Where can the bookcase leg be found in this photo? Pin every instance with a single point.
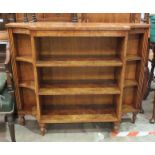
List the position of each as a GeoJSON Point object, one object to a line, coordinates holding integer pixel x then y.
{"type": "Point", "coordinates": [42, 129]}
{"type": "Point", "coordinates": [21, 120]}
{"type": "Point", "coordinates": [141, 110]}
{"type": "Point", "coordinates": [152, 120]}
{"type": "Point", "coordinates": [116, 126]}
{"type": "Point", "coordinates": [134, 116]}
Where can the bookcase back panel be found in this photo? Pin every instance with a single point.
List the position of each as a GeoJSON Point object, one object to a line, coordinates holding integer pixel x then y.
{"type": "Point", "coordinates": [23, 45]}
{"type": "Point", "coordinates": [77, 110]}
{"type": "Point", "coordinates": [25, 72]}
{"type": "Point", "coordinates": [28, 102]}
{"type": "Point", "coordinates": [134, 44]}
{"type": "Point", "coordinates": [77, 46]}
{"type": "Point", "coordinates": [58, 17]}
{"type": "Point", "coordinates": [132, 70]}
{"type": "Point", "coordinates": [129, 95]}
{"type": "Point", "coordinates": [77, 76]}
{"type": "Point", "coordinates": [77, 99]}
{"type": "Point", "coordinates": [84, 17]}
{"type": "Point", "coordinates": [107, 17]}
{"type": "Point", "coordinates": [77, 104]}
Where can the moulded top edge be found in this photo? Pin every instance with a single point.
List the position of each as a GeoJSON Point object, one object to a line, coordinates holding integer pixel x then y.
{"type": "Point", "coordinates": [76, 26]}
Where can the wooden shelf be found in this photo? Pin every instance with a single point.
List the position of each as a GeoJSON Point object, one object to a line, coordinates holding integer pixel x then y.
{"type": "Point", "coordinates": [130, 83]}
{"type": "Point", "coordinates": [80, 63]}
{"type": "Point", "coordinates": [29, 85]}
{"type": "Point", "coordinates": [133, 58]}
{"type": "Point", "coordinates": [128, 109]}
{"type": "Point", "coordinates": [78, 118]}
{"type": "Point", "coordinates": [79, 91]}
{"type": "Point", "coordinates": [73, 113]}
{"type": "Point", "coordinates": [24, 59]}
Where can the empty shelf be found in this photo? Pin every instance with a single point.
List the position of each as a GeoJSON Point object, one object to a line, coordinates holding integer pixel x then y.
{"type": "Point", "coordinates": [130, 83]}
{"type": "Point", "coordinates": [80, 63]}
{"type": "Point", "coordinates": [133, 58]}
{"type": "Point", "coordinates": [79, 118]}
{"type": "Point", "coordinates": [79, 91]}
{"type": "Point", "coordinates": [29, 85]}
{"type": "Point", "coordinates": [24, 59]}
{"type": "Point", "coordinates": [128, 109]}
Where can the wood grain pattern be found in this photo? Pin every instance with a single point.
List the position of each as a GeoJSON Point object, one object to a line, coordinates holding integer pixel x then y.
{"type": "Point", "coordinates": [84, 63]}
{"type": "Point", "coordinates": [76, 26]}
{"type": "Point", "coordinates": [3, 35]}
{"type": "Point", "coordinates": [130, 83]}
{"type": "Point", "coordinates": [78, 119]}
{"type": "Point", "coordinates": [84, 17]}
{"type": "Point", "coordinates": [78, 91]}
{"type": "Point", "coordinates": [24, 59]}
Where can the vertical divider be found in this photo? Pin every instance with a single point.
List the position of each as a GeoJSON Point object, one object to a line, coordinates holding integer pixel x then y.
{"type": "Point", "coordinates": [121, 80]}
{"type": "Point", "coordinates": [14, 69]}
{"type": "Point", "coordinates": [34, 57]}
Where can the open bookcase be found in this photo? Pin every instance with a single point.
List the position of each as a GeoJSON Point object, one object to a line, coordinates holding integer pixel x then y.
{"type": "Point", "coordinates": [73, 72]}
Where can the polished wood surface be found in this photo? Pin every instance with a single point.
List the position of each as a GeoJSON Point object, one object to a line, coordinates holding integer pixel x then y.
{"type": "Point", "coordinates": [3, 36]}
{"type": "Point", "coordinates": [83, 17]}
{"type": "Point", "coordinates": [78, 72]}
{"type": "Point", "coordinates": [76, 26]}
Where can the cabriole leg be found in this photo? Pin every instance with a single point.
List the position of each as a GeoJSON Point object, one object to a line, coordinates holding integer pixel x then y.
{"type": "Point", "coordinates": [42, 129]}
{"type": "Point", "coordinates": [152, 120]}
{"type": "Point", "coordinates": [134, 116]}
{"type": "Point", "coordinates": [116, 126]}
{"type": "Point", "coordinates": [21, 120]}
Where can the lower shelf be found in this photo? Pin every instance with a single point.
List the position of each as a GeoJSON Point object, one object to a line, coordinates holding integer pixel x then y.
{"type": "Point", "coordinates": [79, 114]}
{"type": "Point", "coordinates": [80, 62]}
{"type": "Point", "coordinates": [79, 118]}
{"type": "Point", "coordinates": [128, 109]}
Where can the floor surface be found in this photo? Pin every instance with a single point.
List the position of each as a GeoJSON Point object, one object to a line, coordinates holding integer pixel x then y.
{"type": "Point", "coordinates": [87, 132]}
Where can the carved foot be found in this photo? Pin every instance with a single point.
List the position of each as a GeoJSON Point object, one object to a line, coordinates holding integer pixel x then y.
{"type": "Point", "coordinates": [116, 126]}
{"type": "Point", "coordinates": [42, 129]}
{"type": "Point", "coordinates": [134, 116]}
{"type": "Point", "coordinates": [21, 120]}
{"type": "Point", "coordinates": [152, 120]}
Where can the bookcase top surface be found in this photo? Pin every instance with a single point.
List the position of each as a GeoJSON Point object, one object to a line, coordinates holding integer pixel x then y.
{"type": "Point", "coordinates": [76, 26]}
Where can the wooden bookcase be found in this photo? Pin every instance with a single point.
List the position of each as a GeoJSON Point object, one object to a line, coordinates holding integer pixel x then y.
{"type": "Point", "coordinates": [78, 72]}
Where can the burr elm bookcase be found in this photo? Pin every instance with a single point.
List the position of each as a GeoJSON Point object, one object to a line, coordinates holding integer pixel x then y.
{"type": "Point", "coordinates": [78, 72]}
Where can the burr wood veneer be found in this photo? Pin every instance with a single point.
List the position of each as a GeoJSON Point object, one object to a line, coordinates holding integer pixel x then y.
{"type": "Point", "coordinates": [83, 17]}
{"type": "Point", "coordinates": [78, 72]}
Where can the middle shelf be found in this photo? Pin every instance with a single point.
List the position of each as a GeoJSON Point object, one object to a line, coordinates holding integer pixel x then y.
{"type": "Point", "coordinates": [80, 62]}
{"type": "Point", "coordinates": [79, 91]}
{"type": "Point", "coordinates": [30, 85]}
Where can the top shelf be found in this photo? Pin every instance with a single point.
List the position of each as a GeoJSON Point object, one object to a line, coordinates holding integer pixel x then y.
{"type": "Point", "coordinates": [67, 62]}
{"type": "Point", "coordinates": [76, 26]}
